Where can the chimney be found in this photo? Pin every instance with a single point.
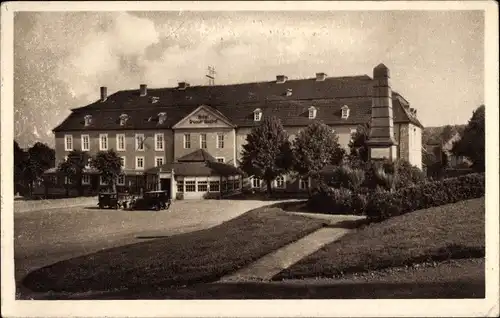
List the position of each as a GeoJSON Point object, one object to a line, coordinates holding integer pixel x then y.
{"type": "Point", "coordinates": [143, 88]}
{"type": "Point", "coordinates": [183, 85]}
{"type": "Point", "coordinates": [280, 79]}
{"type": "Point", "coordinates": [320, 76]}
{"type": "Point", "coordinates": [381, 138]}
{"type": "Point", "coordinates": [104, 93]}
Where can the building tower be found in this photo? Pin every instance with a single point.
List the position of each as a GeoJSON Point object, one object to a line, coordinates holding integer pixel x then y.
{"type": "Point", "coordinates": [381, 141]}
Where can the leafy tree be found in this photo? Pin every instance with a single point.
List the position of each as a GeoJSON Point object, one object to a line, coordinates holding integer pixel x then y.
{"type": "Point", "coordinates": [73, 168]}
{"type": "Point", "coordinates": [358, 149]}
{"type": "Point", "coordinates": [30, 165]}
{"type": "Point", "coordinates": [472, 141]}
{"type": "Point", "coordinates": [108, 163]}
{"type": "Point", "coordinates": [19, 160]}
{"type": "Point", "coordinates": [267, 153]}
{"type": "Point", "coordinates": [314, 148]}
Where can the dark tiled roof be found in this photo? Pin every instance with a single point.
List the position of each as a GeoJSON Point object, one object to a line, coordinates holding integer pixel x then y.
{"type": "Point", "coordinates": [237, 103]}
{"type": "Point", "coordinates": [200, 155]}
{"type": "Point", "coordinates": [198, 169]}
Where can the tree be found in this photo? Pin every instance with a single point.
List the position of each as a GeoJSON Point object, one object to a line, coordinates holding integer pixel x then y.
{"type": "Point", "coordinates": [30, 165]}
{"type": "Point", "coordinates": [19, 160]}
{"type": "Point", "coordinates": [314, 148]}
{"type": "Point", "coordinates": [73, 168]}
{"type": "Point", "coordinates": [109, 164]}
{"type": "Point", "coordinates": [358, 149]}
{"type": "Point", "coordinates": [472, 141]}
{"type": "Point", "coordinates": [267, 153]}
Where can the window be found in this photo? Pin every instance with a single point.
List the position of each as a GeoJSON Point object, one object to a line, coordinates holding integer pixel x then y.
{"type": "Point", "coordinates": [85, 142]}
{"type": "Point", "coordinates": [257, 114]}
{"type": "Point", "coordinates": [120, 142]}
{"type": "Point", "coordinates": [236, 184]}
{"type": "Point", "coordinates": [255, 182]}
{"type": "Point", "coordinates": [220, 159]}
{"type": "Point", "coordinates": [304, 184]}
{"type": "Point", "coordinates": [67, 180]}
{"type": "Point", "coordinates": [224, 185]}
{"type": "Point", "coordinates": [85, 179]}
{"type": "Point", "coordinates": [203, 141]}
{"type": "Point", "coordinates": [345, 112]}
{"type": "Point", "coordinates": [121, 180]}
{"type": "Point", "coordinates": [139, 162]}
{"type": "Point", "coordinates": [187, 141]}
{"type": "Point", "coordinates": [139, 142]}
{"type": "Point", "coordinates": [220, 141]}
{"type": "Point", "coordinates": [214, 186]}
{"type": "Point", "coordinates": [312, 112]}
{"type": "Point", "coordinates": [123, 162]}
{"type": "Point", "coordinates": [123, 119]}
{"type": "Point", "coordinates": [180, 186]}
{"type": "Point", "coordinates": [191, 186]}
{"type": "Point", "coordinates": [88, 120]}
{"type": "Point", "coordinates": [161, 118]}
{"type": "Point", "coordinates": [102, 181]}
{"type": "Point", "coordinates": [202, 186]}
{"type": "Point", "coordinates": [159, 142]}
{"type": "Point", "coordinates": [103, 142]}
{"type": "Point", "coordinates": [230, 185]}
{"type": "Point", "coordinates": [280, 182]}
{"type": "Point", "coordinates": [159, 161]}
{"type": "Point", "coordinates": [68, 142]}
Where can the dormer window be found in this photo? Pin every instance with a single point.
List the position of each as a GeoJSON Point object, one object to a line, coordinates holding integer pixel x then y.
{"type": "Point", "coordinates": [280, 79]}
{"type": "Point", "coordinates": [155, 99]}
{"type": "Point", "coordinates": [289, 92]}
{"type": "Point", "coordinates": [345, 112]}
{"type": "Point", "coordinates": [123, 119]}
{"type": "Point", "coordinates": [162, 117]}
{"type": "Point", "coordinates": [88, 120]}
{"type": "Point", "coordinates": [182, 86]}
{"type": "Point", "coordinates": [257, 114]}
{"type": "Point", "coordinates": [312, 112]}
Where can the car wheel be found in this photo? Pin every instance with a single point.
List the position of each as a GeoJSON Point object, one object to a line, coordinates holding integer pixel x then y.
{"type": "Point", "coordinates": [101, 206]}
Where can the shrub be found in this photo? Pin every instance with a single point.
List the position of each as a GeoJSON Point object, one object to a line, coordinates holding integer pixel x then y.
{"type": "Point", "coordinates": [381, 206]}
{"type": "Point", "coordinates": [347, 177]}
{"type": "Point", "coordinates": [337, 201]}
{"type": "Point", "coordinates": [408, 175]}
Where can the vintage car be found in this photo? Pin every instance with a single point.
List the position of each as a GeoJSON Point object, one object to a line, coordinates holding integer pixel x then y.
{"type": "Point", "coordinates": [108, 200]}
{"type": "Point", "coordinates": [154, 200]}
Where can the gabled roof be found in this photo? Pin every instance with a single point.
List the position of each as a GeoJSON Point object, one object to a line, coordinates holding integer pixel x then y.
{"type": "Point", "coordinates": [236, 103]}
{"type": "Point", "coordinates": [198, 169]}
{"type": "Point", "coordinates": [199, 155]}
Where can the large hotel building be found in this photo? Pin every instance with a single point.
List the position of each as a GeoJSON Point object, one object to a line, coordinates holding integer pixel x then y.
{"type": "Point", "coordinates": [188, 139]}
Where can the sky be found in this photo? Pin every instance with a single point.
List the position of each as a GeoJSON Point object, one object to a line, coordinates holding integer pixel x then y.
{"type": "Point", "coordinates": [436, 58]}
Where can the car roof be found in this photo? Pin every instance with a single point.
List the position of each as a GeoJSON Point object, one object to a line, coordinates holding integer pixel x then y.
{"type": "Point", "coordinates": [156, 191]}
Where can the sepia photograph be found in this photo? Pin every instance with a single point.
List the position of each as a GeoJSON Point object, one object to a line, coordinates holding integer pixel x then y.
{"type": "Point", "coordinates": [250, 152]}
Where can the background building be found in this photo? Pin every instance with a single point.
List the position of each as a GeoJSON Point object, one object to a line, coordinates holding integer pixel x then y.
{"type": "Point", "coordinates": [156, 127]}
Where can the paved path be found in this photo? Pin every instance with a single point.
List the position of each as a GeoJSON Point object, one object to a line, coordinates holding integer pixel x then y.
{"type": "Point", "coordinates": [273, 263]}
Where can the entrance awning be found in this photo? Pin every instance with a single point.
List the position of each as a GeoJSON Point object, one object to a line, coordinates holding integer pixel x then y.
{"type": "Point", "coordinates": [198, 163]}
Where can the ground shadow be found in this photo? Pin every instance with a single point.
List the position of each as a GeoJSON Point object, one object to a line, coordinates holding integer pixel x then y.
{"type": "Point", "coordinates": [256, 290]}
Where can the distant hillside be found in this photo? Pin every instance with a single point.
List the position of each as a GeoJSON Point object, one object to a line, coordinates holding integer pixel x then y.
{"type": "Point", "coordinates": [441, 134]}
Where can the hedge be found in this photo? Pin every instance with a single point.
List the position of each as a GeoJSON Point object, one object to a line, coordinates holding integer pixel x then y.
{"type": "Point", "coordinates": [337, 201]}
{"type": "Point", "coordinates": [384, 205]}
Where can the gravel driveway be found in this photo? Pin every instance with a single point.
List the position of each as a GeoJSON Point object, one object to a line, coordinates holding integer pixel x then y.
{"type": "Point", "coordinates": [51, 235]}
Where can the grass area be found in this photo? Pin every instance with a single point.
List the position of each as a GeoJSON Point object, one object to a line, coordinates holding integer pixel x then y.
{"type": "Point", "coordinates": [195, 257]}
{"type": "Point", "coordinates": [450, 231]}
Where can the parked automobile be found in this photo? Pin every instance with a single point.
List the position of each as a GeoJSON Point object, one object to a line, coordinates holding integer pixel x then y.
{"type": "Point", "coordinates": [152, 200]}
{"type": "Point", "coordinates": [108, 200]}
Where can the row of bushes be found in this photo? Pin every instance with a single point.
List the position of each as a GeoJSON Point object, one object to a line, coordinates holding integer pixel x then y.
{"type": "Point", "coordinates": [430, 194]}
{"type": "Point", "coordinates": [379, 204]}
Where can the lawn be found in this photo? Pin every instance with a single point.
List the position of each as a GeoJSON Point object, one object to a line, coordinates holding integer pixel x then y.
{"type": "Point", "coordinates": [452, 231]}
{"type": "Point", "coordinates": [195, 257]}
